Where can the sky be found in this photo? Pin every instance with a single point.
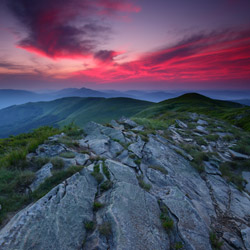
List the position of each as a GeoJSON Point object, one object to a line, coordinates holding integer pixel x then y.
{"type": "Point", "coordinates": [125, 44]}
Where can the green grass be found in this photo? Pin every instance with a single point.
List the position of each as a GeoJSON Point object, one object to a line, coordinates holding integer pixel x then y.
{"type": "Point", "coordinates": [215, 242]}
{"type": "Point", "coordinates": [167, 111]}
{"type": "Point", "coordinates": [57, 163]}
{"type": "Point", "coordinates": [212, 137]}
{"type": "Point", "coordinates": [97, 205]}
{"type": "Point", "coordinates": [159, 168]}
{"type": "Point", "coordinates": [96, 173]}
{"type": "Point", "coordinates": [143, 184]}
{"type": "Point", "coordinates": [53, 181]}
{"type": "Point", "coordinates": [167, 222]}
{"type": "Point", "coordinates": [69, 155]}
{"type": "Point", "coordinates": [106, 171]}
{"type": "Point", "coordinates": [16, 173]}
{"type": "Point", "coordinates": [71, 110]}
{"type": "Point", "coordinates": [231, 171]}
{"type": "Point", "coordinates": [89, 226]}
{"type": "Point", "coordinates": [106, 185]}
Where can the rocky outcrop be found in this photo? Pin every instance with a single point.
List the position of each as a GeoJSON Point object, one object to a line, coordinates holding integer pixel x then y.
{"type": "Point", "coordinates": [56, 221]}
{"type": "Point", "coordinates": [148, 197]}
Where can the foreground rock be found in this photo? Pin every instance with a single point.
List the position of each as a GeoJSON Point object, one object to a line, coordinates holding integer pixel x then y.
{"type": "Point", "coordinates": [148, 197]}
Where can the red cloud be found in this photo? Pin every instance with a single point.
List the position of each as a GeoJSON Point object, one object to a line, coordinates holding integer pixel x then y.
{"type": "Point", "coordinates": [54, 28]}
{"type": "Point", "coordinates": [215, 56]}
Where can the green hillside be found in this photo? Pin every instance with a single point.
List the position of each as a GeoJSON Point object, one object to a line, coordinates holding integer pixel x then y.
{"type": "Point", "coordinates": [236, 114]}
{"type": "Point", "coordinates": [23, 118]}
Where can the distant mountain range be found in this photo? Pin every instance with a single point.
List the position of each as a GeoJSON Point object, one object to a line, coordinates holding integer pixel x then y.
{"type": "Point", "coordinates": [10, 97]}
{"type": "Point", "coordinates": [22, 118]}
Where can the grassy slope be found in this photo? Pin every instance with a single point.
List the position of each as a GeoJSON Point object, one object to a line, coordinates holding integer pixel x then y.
{"type": "Point", "coordinates": [234, 113]}
{"type": "Point", "coordinates": [23, 118]}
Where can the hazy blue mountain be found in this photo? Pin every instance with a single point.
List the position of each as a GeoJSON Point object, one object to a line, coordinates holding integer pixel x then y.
{"type": "Point", "coordinates": [10, 97]}
{"type": "Point", "coordinates": [243, 101]}
{"type": "Point", "coordinates": [23, 118]}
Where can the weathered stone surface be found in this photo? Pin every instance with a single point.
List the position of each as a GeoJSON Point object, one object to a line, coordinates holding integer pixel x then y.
{"type": "Point", "coordinates": [121, 173]}
{"type": "Point", "coordinates": [246, 177]}
{"type": "Point", "coordinates": [138, 128]}
{"type": "Point", "coordinates": [201, 129]}
{"type": "Point", "coordinates": [137, 147]}
{"type": "Point", "coordinates": [238, 156]}
{"type": "Point", "coordinates": [246, 237]}
{"type": "Point", "coordinates": [181, 124]}
{"type": "Point", "coordinates": [56, 221]}
{"type": "Point", "coordinates": [116, 125]}
{"type": "Point", "coordinates": [202, 122]}
{"type": "Point", "coordinates": [81, 159]}
{"type": "Point", "coordinates": [197, 203]}
{"type": "Point", "coordinates": [125, 159]}
{"type": "Point", "coordinates": [134, 215]}
{"type": "Point", "coordinates": [210, 169]}
{"type": "Point", "coordinates": [47, 150]}
{"type": "Point", "coordinates": [128, 122]}
{"type": "Point", "coordinates": [41, 175]}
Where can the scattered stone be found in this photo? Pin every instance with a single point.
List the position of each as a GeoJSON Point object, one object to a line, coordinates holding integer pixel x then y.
{"type": "Point", "coordinates": [238, 156]}
{"type": "Point", "coordinates": [202, 122]}
{"type": "Point", "coordinates": [128, 122]}
{"type": "Point", "coordinates": [188, 140]}
{"type": "Point", "coordinates": [181, 124]}
{"type": "Point", "coordinates": [138, 128]}
{"type": "Point", "coordinates": [201, 129]}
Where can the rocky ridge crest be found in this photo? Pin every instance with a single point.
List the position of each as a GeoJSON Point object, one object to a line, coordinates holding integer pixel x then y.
{"type": "Point", "coordinates": [133, 192]}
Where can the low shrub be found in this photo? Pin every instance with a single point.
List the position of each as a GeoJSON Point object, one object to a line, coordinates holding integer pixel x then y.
{"type": "Point", "coordinates": [166, 221]}
{"type": "Point", "coordinates": [106, 185]}
{"type": "Point", "coordinates": [106, 171]}
{"type": "Point", "coordinates": [178, 246]}
{"type": "Point", "coordinates": [57, 163]}
{"type": "Point", "coordinates": [215, 242]}
{"type": "Point", "coordinates": [96, 173]}
{"type": "Point", "coordinates": [97, 205]}
{"type": "Point", "coordinates": [89, 225]}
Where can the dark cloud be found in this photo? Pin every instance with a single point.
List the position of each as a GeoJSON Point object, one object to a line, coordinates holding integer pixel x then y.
{"type": "Point", "coordinates": [64, 28]}
{"type": "Point", "coordinates": [105, 55]}
{"type": "Point", "coordinates": [12, 66]}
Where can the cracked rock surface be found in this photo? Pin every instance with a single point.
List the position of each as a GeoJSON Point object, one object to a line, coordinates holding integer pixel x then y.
{"type": "Point", "coordinates": [149, 197]}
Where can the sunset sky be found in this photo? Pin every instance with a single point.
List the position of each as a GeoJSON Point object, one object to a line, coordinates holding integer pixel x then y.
{"type": "Point", "coordinates": [121, 44]}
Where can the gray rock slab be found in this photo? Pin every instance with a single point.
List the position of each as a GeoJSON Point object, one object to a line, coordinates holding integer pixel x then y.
{"type": "Point", "coordinates": [41, 175]}
{"type": "Point", "coordinates": [134, 215]}
{"type": "Point", "coordinates": [56, 221]}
